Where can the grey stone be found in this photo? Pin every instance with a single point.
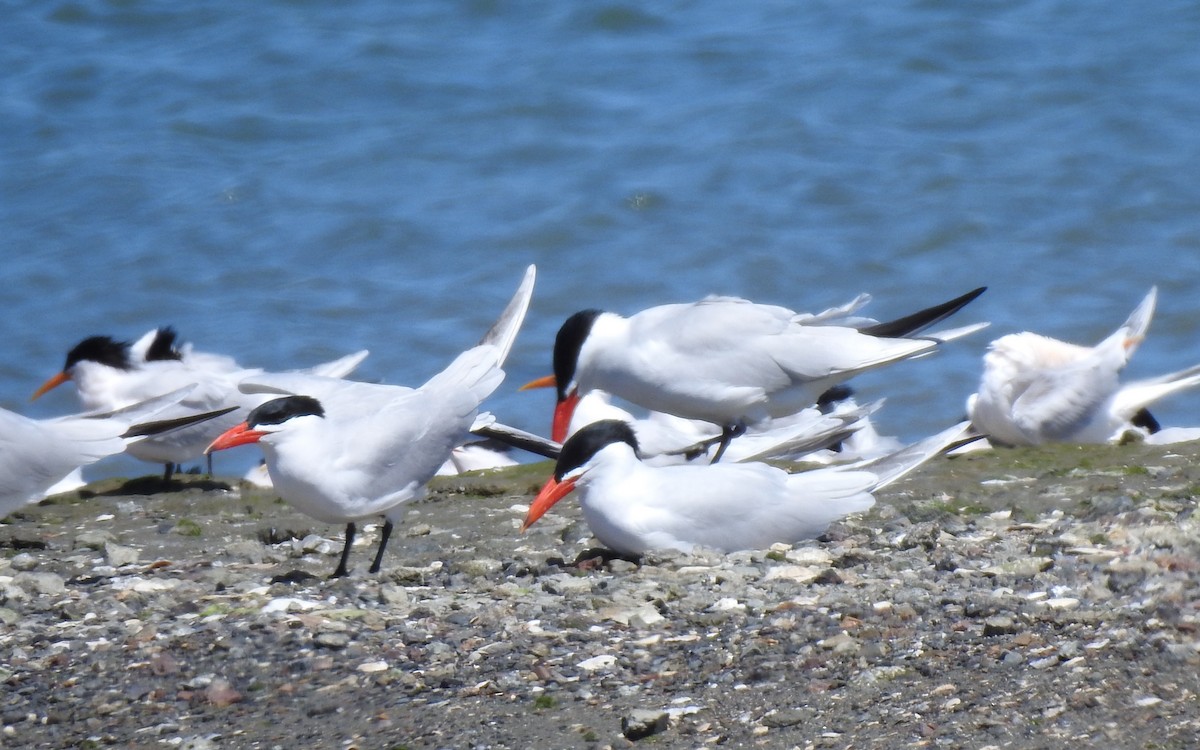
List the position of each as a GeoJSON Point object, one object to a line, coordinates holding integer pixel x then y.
{"type": "Point", "coordinates": [94, 539]}
{"type": "Point", "coordinates": [640, 724]}
{"type": "Point", "coordinates": [45, 584]}
{"type": "Point", "coordinates": [118, 554]}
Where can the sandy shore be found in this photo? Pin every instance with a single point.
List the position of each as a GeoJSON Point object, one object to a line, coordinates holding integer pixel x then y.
{"type": "Point", "coordinates": [1011, 599]}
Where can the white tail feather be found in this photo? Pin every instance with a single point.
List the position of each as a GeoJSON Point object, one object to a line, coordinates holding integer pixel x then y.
{"type": "Point", "coordinates": [503, 332]}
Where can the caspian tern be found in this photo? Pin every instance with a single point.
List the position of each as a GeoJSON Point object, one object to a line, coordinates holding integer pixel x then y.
{"type": "Point", "coordinates": [475, 456]}
{"type": "Point", "coordinates": [342, 451]}
{"type": "Point", "coordinates": [665, 439]}
{"type": "Point", "coordinates": [1036, 389]}
{"type": "Point", "coordinates": [161, 344]}
{"type": "Point", "coordinates": [109, 374]}
{"type": "Point", "coordinates": [35, 454]}
{"type": "Point", "coordinates": [726, 360]}
{"type": "Point", "coordinates": [632, 507]}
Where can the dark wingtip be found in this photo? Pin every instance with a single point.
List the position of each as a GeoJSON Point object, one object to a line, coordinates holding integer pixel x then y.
{"type": "Point", "coordinates": [922, 319]}
{"type": "Point", "coordinates": [165, 425]}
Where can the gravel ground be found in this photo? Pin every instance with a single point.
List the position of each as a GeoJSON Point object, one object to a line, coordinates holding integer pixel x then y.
{"type": "Point", "coordinates": [1012, 599]}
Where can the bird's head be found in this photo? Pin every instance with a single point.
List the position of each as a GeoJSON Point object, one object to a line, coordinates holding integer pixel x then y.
{"type": "Point", "coordinates": [266, 419]}
{"type": "Point", "coordinates": [101, 350]}
{"type": "Point", "coordinates": [567, 345]}
{"type": "Point", "coordinates": [575, 461]}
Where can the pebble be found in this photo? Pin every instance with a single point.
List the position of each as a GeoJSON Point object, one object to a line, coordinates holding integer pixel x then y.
{"type": "Point", "coordinates": [247, 550]}
{"type": "Point", "coordinates": [289, 604]}
{"type": "Point", "coordinates": [316, 543]}
{"type": "Point", "coordinates": [393, 595]}
{"type": "Point", "coordinates": [94, 539]}
{"type": "Point", "coordinates": [794, 573]}
{"type": "Point", "coordinates": [906, 626]}
{"type": "Point", "coordinates": [999, 625]}
{"type": "Point", "coordinates": [1061, 602]}
{"type": "Point", "coordinates": [785, 718]}
{"type": "Point", "coordinates": [603, 661]}
{"type": "Point", "coordinates": [841, 644]}
{"type": "Point", "coordinates": [41, 583]}
{"type": "Point", "coordinates": [480, 567]}
{"type": "Point", "coordinates": [1020, 569]}
{"type": "Point", "coordinates": [332, 640]}
{"type": "Point", "coordinates": [119, 555]}
{"type": "Point", "coordinates": [640, 724]}
{"type": "Point", "coordinates": [23, 561]}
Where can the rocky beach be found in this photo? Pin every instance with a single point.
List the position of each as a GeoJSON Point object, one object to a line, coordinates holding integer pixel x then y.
{"type": "Point", "coordinates": [1032, 598]}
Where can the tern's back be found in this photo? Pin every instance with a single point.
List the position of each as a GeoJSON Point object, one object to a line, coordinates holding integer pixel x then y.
{"type": "Point", "coordinates": [377, 445]}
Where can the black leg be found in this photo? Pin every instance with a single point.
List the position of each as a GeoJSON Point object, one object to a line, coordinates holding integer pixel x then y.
{"type": "Point", "coordinates": [696, 450]}
{"type": "Point", "coordinates": [168, 472]}
{"type": "Point", "coordinates": [383, 540]}
{"type": "Point", "coordinates": [209, 457]}
{"type": "Point", "coordinates": [728, 433]}
{"type": "Point", "coordinates": [341, 571]}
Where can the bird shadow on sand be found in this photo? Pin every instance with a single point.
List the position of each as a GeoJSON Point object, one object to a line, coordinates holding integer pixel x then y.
{"type": "Point", "coordinates": [593, 558]}
{"type": "Point", "coordinates": [296, 577]}
{"type": "Point", "coordinates": [153, 485]}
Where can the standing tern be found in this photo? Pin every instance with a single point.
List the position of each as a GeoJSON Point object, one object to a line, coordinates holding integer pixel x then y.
{"type": "Point", "coordinates": [633, 507]}
{"type": "Point", "coordinates": [35, 454]}
{"type": "Point", "coordinates": [109, 374]}
{"type": "Point", "coordinates": [1036, 389]}
{"type": "Point", "coordinates": [343, 451]}
{"type": "Point", "coordinates": [726, 360]}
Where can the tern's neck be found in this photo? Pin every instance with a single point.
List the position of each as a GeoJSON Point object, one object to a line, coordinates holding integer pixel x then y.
{"type": "Point", "coordinates": [603, 353]}
{"type": "Point", "coordinates": [616, 462]}
{"type": "Point", "coordinates": [100, 386]}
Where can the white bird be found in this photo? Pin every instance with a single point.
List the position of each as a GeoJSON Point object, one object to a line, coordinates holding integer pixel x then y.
{"type": "Point", "coordinates": [161, 344]}
{"type": "Point", "coordinates": [864, 444]}
{"type": "Point", "coordinates": [665, 439]}
{"type": "Point", "coordinates": [343, 451]}
{"type": "Point", "coordinates": [109, 374]}
{"type": "Point", "coordinates": [632, 507]}
{"type": "Point", "coordinates": [473, 456]}
{"type": "Point", "coordinates": [728, 361]}
{"type": "Point", "coordinates": [35, 454]}
{"type": "Point", "coordinates": [476, 456]}
{"type": "Point", "coordinates": [1036, 389]}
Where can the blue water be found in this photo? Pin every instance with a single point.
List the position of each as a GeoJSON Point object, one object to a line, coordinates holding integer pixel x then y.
{"type": "Point", "coordinates": [289, 181]}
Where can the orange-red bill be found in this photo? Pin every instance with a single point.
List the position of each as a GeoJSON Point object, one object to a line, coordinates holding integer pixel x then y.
{"type": "Point", "coordinates": [563, 411]}
{"type": "Point", "coordinates": [50, 384]}
{"type": "Point", "coordinates": [239, 434]}
{"type": "Point", "coordinates": [552, 491]}
{"type": "Point", "coordinates": [546, 382]}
